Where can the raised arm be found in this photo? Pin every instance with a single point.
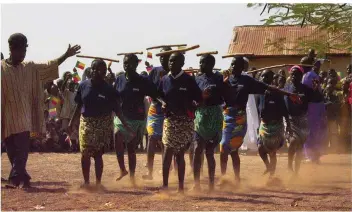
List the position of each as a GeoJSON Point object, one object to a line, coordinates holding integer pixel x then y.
{"type": "Point", "coordinates": [71, 51]}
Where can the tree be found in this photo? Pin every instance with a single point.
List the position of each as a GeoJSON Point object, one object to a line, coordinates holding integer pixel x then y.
{"type": "Point", "coordinates": [333, 24]}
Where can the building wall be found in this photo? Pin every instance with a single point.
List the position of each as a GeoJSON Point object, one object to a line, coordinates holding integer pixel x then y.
{"type": "Point", "coordinates": [339, 63]}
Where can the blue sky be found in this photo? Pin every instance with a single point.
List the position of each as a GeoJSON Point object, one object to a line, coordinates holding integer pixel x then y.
{"type": "Point", "coordinates": [107, 29]}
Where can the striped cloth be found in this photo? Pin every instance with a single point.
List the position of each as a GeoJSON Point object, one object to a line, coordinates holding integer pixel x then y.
{"type": "Point", "coordinates": [22, 92]}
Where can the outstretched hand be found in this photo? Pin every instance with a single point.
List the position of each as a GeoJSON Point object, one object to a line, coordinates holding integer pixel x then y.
{"type": "Point", "coordinates": [72, 51]}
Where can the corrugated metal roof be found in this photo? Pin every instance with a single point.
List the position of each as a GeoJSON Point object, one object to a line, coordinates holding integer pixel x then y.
{"type": "Point", "coordinates": [256, 40]}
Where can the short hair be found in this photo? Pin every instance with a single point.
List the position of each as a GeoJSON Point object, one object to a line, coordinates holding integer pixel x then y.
{"type": "Point", "coordinates": [179, 54]}
{"type": "Point", "coordinates": [270, 72]}
{"type": "Point", "coordinates": [17, 40]}
{"type": "Point", "coordinates": [209, 57]}
{"type": "Point", "coordinates": [132, 56]}
{"type": "Point", "coordinates": [96, 63]}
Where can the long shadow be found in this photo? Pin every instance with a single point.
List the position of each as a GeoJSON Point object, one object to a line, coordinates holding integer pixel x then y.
{"type": "Point", "coordinates": [297, 193]}
{"type": "Point", "coordinates": [138, 193]}
{"type": "Point", "coordinates": [223, 199]}
{"type": "Point", "coordinates": [40, 190]}
{"type": "Point", "coordinates": [336, 164]}
{"type": "Point", "coordinates": [45, 183]}
{"type": "Point", "coordinates": [149, 188]}
{"type": "Point", "coordinates": [263, 196]}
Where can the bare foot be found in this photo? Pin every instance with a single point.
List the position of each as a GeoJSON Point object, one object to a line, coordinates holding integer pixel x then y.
{"type": "Point", "coordinates": [290, 169]}
{"type": "Point", "coordinates": [147, 177]}
{"type": "Point", "coordinates": [84, 186]}
{"type": "Point", "coordinates": [163, 189]}
{"type": "Point", "coordinates": [180, 191]}
{"type": "Point", "coordinates": [133, 182]}
{"type": "Point", "coordinates": [100, 187]}
{"type": "Point", "coordinates": [196, 189]}
{"type": "Point", "coordinates": [123, 173]}
{"type": "Point", "coordinates": [266, 171]}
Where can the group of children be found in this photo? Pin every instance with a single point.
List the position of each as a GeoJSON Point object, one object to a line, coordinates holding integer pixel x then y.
{"type": "Point", "coordinates": [282, 114]}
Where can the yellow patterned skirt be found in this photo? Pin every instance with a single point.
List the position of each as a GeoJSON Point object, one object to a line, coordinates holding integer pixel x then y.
{"type": "Point", "coordinates": [95, 134]}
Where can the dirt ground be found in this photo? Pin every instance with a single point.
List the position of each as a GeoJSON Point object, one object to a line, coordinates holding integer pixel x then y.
{"type": "Point", "coordinates": [56, 179]}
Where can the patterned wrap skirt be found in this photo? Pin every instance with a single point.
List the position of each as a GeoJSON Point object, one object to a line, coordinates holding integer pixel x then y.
{"type": "Point", "coordinates": [137, 126]}
{"type": "Point", "coordinates": [155, 121]}
{"type": "Point", "coordinates": [234, 129]}
{"type": "Point", "coordinates": [95, 134]}
{"type": "Point", "coordinates": [300, 128]}
{"type": "Point", "coordinates": [178, 132]}
{"type": "Point", "coordinates": [208, 124]}
{"type": "Point", "coordinates": [271, 135]}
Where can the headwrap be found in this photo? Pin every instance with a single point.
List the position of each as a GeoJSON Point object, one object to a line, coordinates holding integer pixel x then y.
{"type": "Point", "coordinates": [297, 67]}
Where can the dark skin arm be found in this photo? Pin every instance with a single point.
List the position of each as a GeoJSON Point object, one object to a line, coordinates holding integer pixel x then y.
{"type": "Point", "coordinates": [71, 51]}
{"type": "Point", "coordinates": [293, 97]}
{"type": "Point", "coordinates": [74, 122]}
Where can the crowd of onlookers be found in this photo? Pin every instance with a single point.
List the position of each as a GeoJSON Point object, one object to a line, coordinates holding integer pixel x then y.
{"type": "Point", "coordinates": [59, 107]}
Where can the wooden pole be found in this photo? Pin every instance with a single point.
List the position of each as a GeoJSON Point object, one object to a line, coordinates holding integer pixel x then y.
{"type": "Point", "coordinates": [102, 58]}
{"type": "Point", "coordinates": [177, 50]}
{"type": "Point", "coordinates": [204, 53]}
{"type": "Point", "coordinates": [278, 66]}
{"type": "Point", "coordinates": [129, 53]}
{"type": "Point", "coordinates": [158, 47]}
{"type": "Point", "coordinates": [238, 54]}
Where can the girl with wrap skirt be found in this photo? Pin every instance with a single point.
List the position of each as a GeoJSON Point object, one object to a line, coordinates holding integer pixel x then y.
{"type": "Point", "coordinates": [298, 115]}
{"type": "Point", "coordinates": [208, 119]}
{"type": "Point", "coordinates": [237, 89]}
{"type": "Point", "coordinates": [132, 89]}
{"type": "Point", "coordinates": [155, 120]}
{"type": "Point", "coordinates": [178, 91]}
{"type": "Point", "coordinates": [272, 110]}
{"type": "Point", "coordinates": [96, 100]}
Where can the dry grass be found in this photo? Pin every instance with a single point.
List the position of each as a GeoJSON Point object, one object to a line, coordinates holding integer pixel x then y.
{"type": "Point", "coordinates": [56, 178]}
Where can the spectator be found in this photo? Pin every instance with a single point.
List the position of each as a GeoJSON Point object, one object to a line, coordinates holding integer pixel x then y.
{"type": "Point", "coordinates": [333, 101]}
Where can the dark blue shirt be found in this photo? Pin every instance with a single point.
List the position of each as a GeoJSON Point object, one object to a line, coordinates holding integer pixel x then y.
{"type": "Point", "coordinates": [307, 95]}
{"type": "Point", "coordinates": [216, 84]}
{"type": "Point", "coordinates": [155, 76]}
{"type": "Point", "coordinates": [179, 93]}
{"type": "Point", "coordinates": [238, 88]}
{"type": "Point", "coordinates": [272, 107]}
{"type": "Point", "coordinates": [97, 100]}
{"type": "Point", "coordinates": [132, 94]}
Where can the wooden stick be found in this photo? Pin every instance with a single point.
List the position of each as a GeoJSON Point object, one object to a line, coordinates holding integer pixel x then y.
{"type": "Point", "coordinates": [102, 58]}
{"type": "Point", "coordinates": [177, 50]}
{"type": "Point", "coordinates": [191, 70]}
{"type": "Point", "coordinates": [204, 53]}
{"type": "Point", "coordinates": [158, 47]}
{"type": "Point", "coordinates": [238, 54]}
{"type": "Point", "coordinates": [197, 69]}
{"type": "Point", "coordinates": [129, 53]}
{"type": "Point", "coordinates": [278, 66]}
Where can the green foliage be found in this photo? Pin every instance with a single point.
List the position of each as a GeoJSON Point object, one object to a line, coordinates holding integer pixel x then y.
{"type": "Point", "coordinates": [335, 20]}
